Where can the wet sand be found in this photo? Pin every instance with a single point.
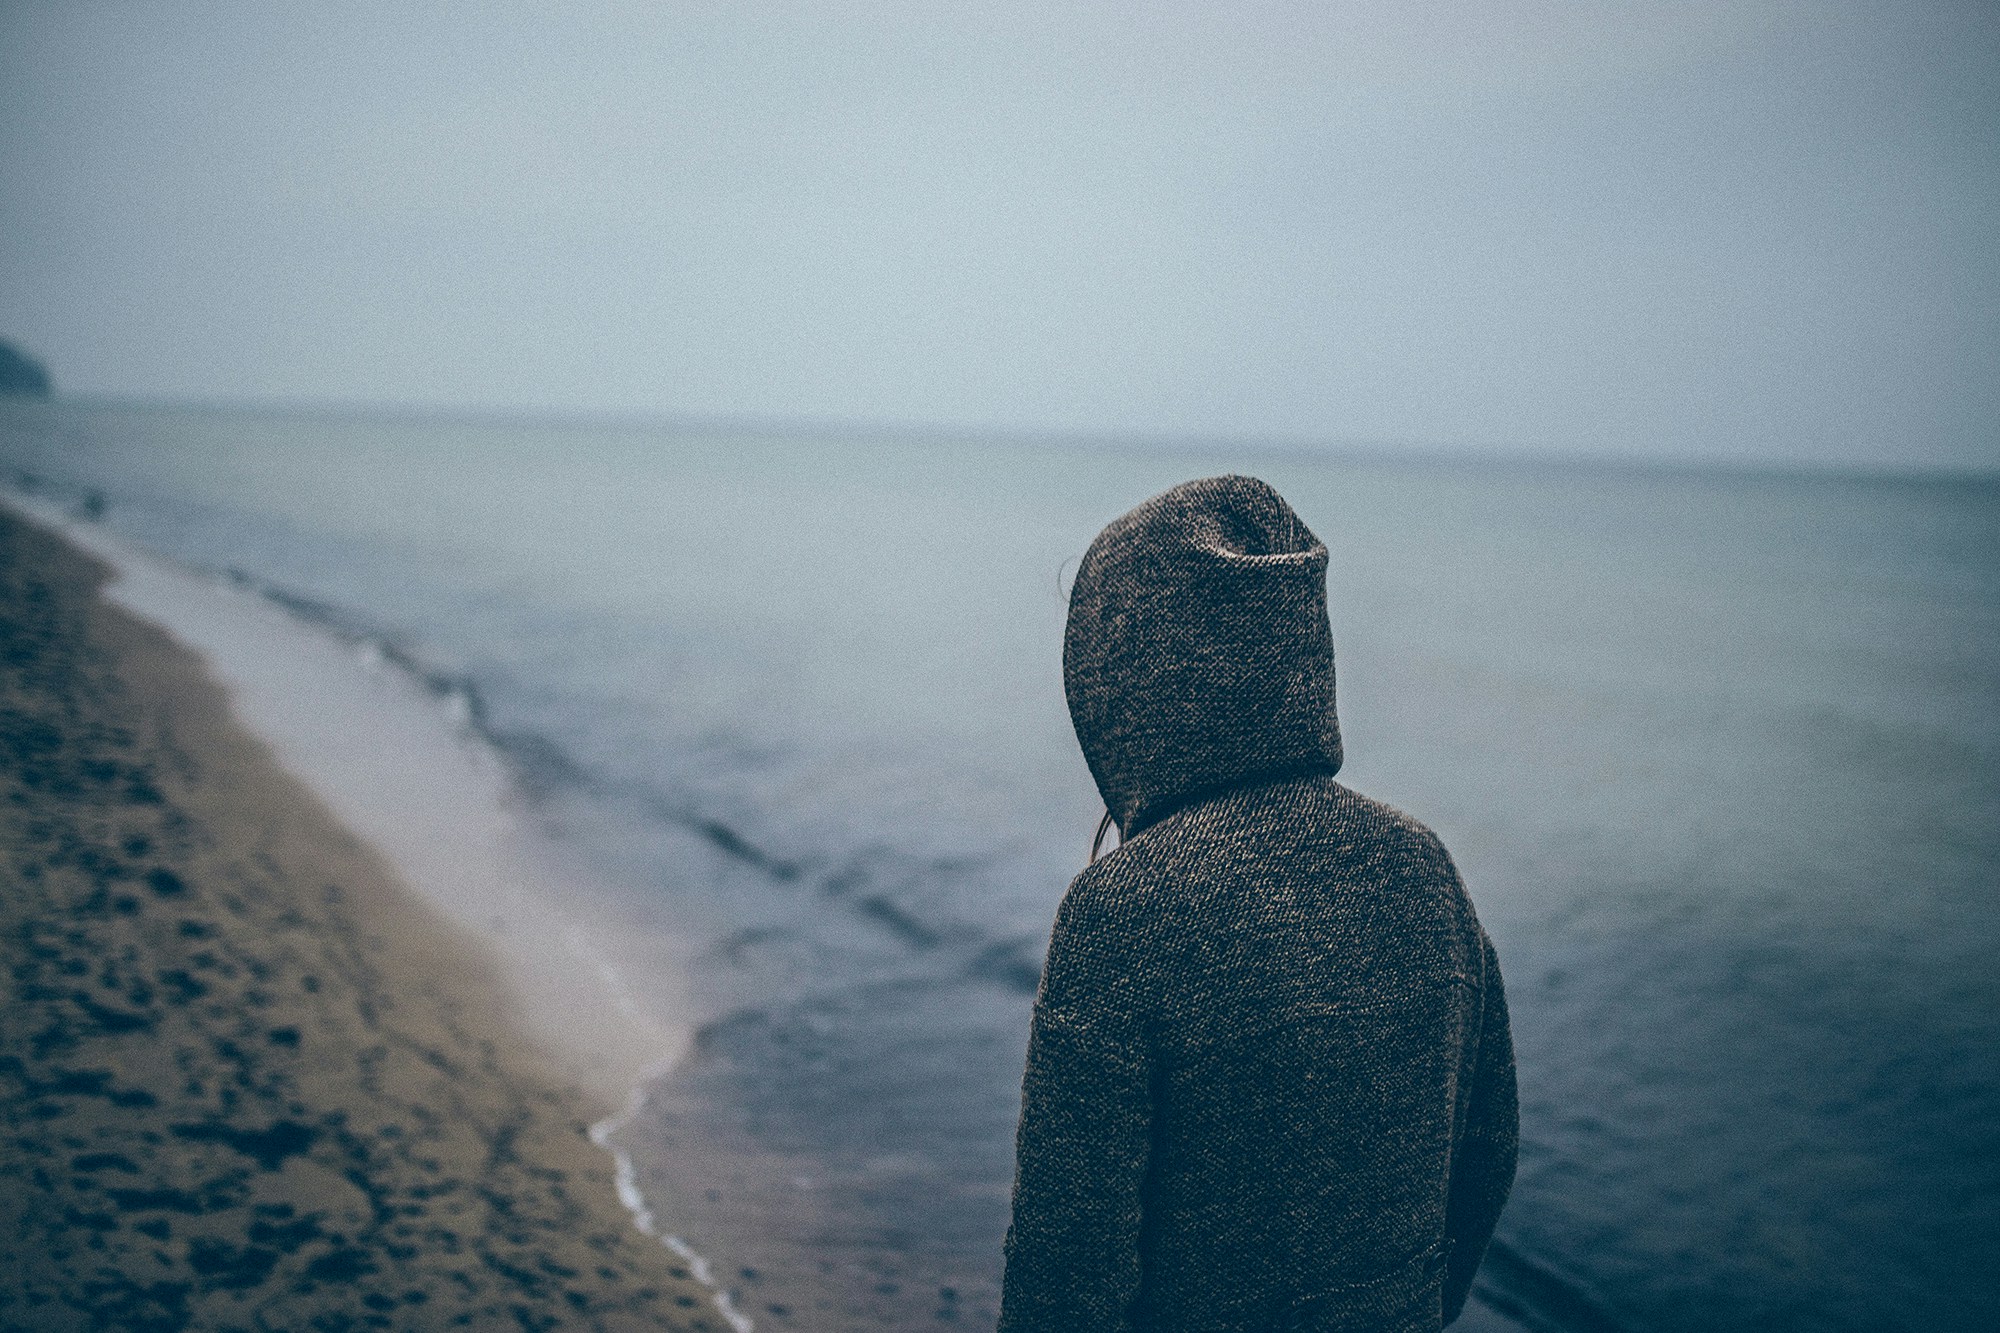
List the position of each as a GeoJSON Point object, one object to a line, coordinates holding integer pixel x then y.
{"type": "Point", "coordinates": [247, 1079]}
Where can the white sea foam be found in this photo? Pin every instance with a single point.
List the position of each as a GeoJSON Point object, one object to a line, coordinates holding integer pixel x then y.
{"type": "Point", "coordinates": [642, 1212]}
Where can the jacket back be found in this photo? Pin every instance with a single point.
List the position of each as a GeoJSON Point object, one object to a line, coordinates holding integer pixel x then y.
{"type": "Point", "coordinates": [1270, 1081]}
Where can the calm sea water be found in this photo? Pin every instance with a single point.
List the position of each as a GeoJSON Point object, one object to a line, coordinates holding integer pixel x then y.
{"type": "Point", "coordinates": [1718, 754]}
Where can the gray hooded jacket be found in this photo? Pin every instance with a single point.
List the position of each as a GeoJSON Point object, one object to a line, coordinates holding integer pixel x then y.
{"type": "Point", "coordinates": [1270, 1084]}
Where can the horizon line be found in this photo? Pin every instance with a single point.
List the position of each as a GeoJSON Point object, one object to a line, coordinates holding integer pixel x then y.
{"type": "Point", "coordinates": [1360, 449]}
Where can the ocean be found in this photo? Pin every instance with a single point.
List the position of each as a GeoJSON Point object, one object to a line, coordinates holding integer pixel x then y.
{"type": "Point", "coordinates": [1717, 752]}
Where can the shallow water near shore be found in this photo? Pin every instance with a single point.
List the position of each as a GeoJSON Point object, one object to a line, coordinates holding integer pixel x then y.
{"type": "Point", "coordinates": [1718, 755]}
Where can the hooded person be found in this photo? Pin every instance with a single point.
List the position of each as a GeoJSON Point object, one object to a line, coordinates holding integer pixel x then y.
{"type": "Point", "coordinates": [1269, 1083]}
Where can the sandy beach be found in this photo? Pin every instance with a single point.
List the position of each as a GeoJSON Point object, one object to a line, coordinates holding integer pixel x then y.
{"type": "Point", "coordinates": [248, 1078]}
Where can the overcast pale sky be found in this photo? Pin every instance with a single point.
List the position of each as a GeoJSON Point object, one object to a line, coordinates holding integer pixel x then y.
{"type": "Point", "coordinates": [1741, 230]}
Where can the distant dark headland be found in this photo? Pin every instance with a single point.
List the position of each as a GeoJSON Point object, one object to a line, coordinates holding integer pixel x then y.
{"type": "Point", "coordinates": [21, 373]}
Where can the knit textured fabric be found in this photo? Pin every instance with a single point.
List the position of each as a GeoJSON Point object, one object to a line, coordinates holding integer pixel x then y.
{"type": "Point", "coordinates": [1270, 1084]}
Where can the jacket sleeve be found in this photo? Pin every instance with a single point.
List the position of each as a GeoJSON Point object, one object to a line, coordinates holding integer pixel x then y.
{"type": "Point", "coordinates": [1081, 1152]}
{"type": "Point", "coordinates": [1482, 1168]}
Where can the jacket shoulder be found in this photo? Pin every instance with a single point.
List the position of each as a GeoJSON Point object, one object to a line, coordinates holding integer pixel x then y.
{"type": "Point", "coordinates": [1398, 830]}
{"type": "Point", "coordinates": [1107, 897]}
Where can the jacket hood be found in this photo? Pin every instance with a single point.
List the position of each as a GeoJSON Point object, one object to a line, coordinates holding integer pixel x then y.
{"type": "Point", "coordinates": [1198, 655]}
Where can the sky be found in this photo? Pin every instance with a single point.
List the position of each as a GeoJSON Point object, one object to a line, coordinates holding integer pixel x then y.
{"type": "Point", "coordinates": [1750, 231]}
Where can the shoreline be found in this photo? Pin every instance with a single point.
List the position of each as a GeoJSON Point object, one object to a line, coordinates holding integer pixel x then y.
{"type": "Point", "coordinates": [265, 1081]}
{"type": "Point", "coordinates": [397, 764]}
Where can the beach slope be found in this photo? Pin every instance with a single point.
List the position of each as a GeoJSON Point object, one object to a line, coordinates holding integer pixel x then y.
{"type": "Point", "coordinates": [247, 1080]}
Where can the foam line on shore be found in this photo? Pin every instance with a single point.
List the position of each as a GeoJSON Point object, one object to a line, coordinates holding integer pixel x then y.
{"type": "Point", "coordinates": [635, 1203]}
